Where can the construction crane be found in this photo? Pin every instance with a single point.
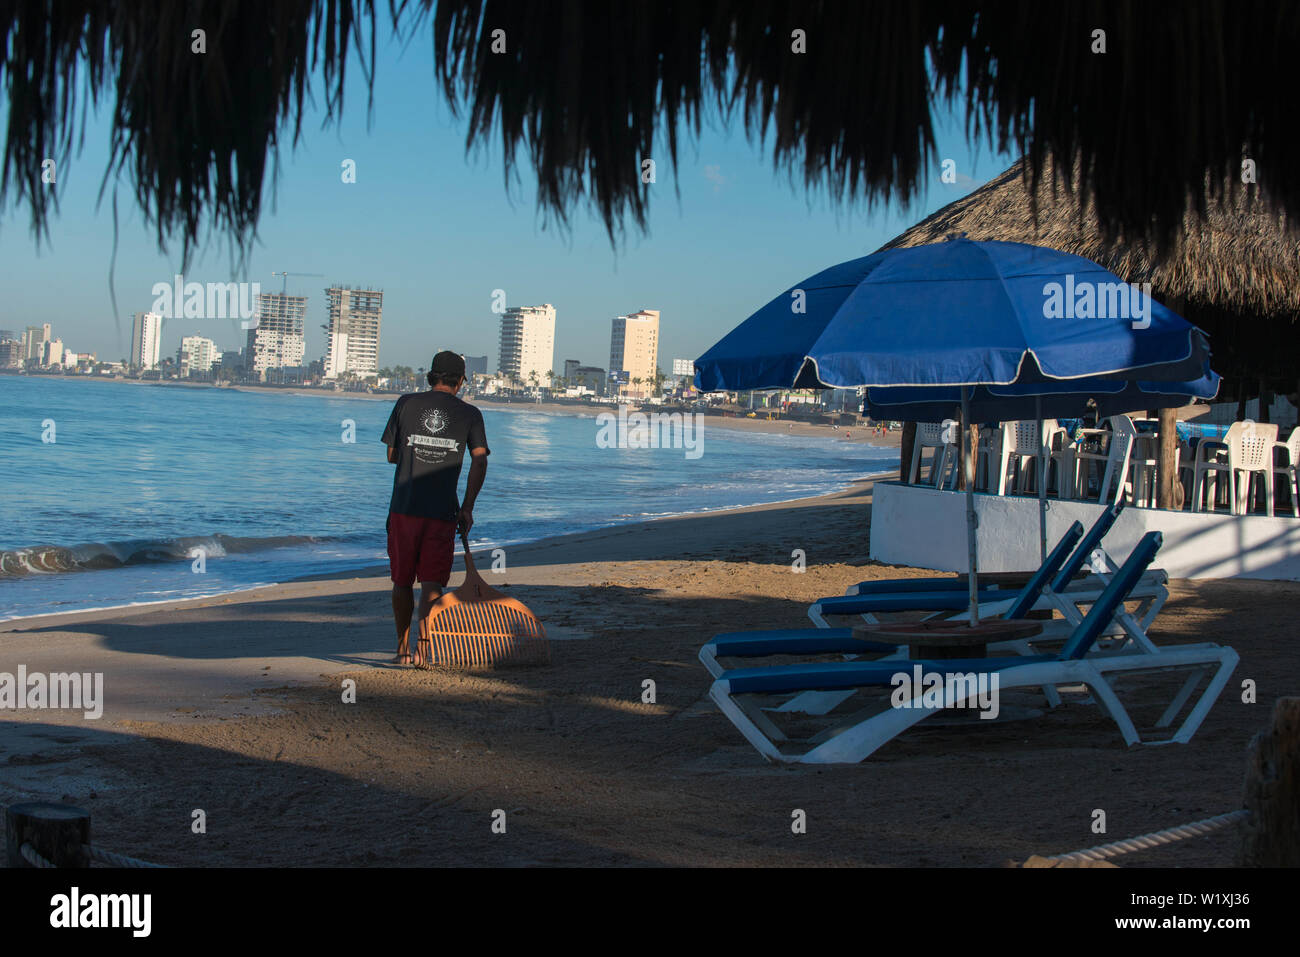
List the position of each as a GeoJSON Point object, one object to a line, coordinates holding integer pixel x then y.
{"type": "Point", "coordinates": [285, 284]}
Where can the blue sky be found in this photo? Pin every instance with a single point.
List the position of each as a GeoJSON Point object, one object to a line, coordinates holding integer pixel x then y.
{"type": "Point", "coordinates": [438, 231]}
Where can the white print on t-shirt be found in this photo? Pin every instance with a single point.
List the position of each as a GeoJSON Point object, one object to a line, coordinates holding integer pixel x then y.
{"type": "Point", "coordinates": [434, 421]}
{"type": "Point", "coordinates": [422, 445]}
{"type": "Point", "coordinates": [430, 441]}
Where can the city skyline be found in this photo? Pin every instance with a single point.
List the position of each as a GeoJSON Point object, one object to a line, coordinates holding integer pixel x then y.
{"type": "Point", "coordinates": [726, 232]}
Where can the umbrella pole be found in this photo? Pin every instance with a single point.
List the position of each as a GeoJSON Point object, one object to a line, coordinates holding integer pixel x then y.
{"type": "Point", "coordinates": [971, 522]}
{"type": "Point", "coordinates": [1043, 460]}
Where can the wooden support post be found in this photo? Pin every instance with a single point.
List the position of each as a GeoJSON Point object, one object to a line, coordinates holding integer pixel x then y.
{"type": "Point", "coordinates": [971, 456]}
{"type": "Point", "coordinates": [1168, 487]}
{"type": "Point", "coordinates": [905, 447]}
{"type": "Point", "coordinates": [1271, 835]}
{"type": "Point", "coordinates": [57, 832]}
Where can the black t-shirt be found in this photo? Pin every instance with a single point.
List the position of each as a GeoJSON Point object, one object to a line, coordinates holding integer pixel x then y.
{"type": "Point", "coordinates": [431, 432]}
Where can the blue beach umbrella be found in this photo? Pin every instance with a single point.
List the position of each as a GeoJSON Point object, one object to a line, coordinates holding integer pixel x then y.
{"type": "Point", "coordinates": [961, 314]}
{"type": "Point", "coordinates": [954, 313]}
{"type": "Point", "coordinates": [1000, 403]}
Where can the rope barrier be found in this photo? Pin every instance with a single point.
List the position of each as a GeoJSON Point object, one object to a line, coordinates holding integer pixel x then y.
{"type": "Point", "coordinates": [1155, 839]}
{"type": "Point", "coordinates": [116, 860]}
{"type": "Point", "coordinates": [32, 857]}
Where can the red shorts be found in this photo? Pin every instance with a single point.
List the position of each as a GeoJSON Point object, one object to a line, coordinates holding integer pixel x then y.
{"type": "Point", "coordinates": [419, 548]}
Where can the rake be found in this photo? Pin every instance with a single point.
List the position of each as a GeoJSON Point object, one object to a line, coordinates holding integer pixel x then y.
{"type": "Point", "coordinates": [477, 626]}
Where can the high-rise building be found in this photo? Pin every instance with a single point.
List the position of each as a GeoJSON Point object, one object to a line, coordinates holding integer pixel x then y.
{"type": "Point", "coordinates": [570, 365]}
{"type": "Point", "coordinates": [52, 353]}
{"type": "Point", "coordinates": [146, 338]}
{"type": "Point", "coordinates": [279, 339]}
{"type": "Point", "coordinates": [34, 340]}
{"type": "Point", "coordinates": [11, 353]}
{"type": "Point", "coordinates": [352, 334]}
{"type": "Point", "coordinates": [475, 365]}
{"type": "Point", "coordinates": [634, 351]}
{"type": "Point", "coordinates": [196, 354]}
{"type": "Point", "coordinates": [527, 351]}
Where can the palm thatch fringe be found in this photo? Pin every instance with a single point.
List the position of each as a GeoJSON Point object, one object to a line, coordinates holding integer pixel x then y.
{"type": "Point", "coordinates": [1184, 91]}
{"type": "Point", "coordinates": [1240, 257]}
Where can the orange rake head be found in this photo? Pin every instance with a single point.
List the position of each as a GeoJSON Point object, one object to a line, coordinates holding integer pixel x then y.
{"type": "Point", "coordinates": [477, 626]}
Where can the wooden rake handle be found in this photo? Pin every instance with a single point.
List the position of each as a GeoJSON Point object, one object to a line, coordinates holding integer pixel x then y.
{"type": "Point", "coordinates": [470, 570]}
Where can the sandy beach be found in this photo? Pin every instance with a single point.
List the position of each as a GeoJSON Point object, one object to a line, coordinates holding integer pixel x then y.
{"type": "Point", "coordinates": [234, 705]}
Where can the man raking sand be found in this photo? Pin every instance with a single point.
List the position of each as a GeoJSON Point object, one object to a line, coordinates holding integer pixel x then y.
{"type": "Point", "coordinates": [427, 436]}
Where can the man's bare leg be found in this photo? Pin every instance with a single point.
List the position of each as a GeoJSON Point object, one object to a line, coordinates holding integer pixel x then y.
{"type": "Point", "coordinates": [430, 592]}
{"type": "Point", "coordinates": [403, 606]}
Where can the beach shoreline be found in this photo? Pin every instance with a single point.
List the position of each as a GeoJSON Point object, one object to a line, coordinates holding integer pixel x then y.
{"type": "Point", "coordinates": [852, 433]}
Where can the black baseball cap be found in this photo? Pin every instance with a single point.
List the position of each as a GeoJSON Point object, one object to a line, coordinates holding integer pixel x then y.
{"type": "Point", "coordinates": [448, 363]}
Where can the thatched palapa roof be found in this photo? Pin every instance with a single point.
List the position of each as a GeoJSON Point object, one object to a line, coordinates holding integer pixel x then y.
{"type": "Point", "coordinates": [586, 89]}
{"type": "Point", "coordinates": [1235, 271]}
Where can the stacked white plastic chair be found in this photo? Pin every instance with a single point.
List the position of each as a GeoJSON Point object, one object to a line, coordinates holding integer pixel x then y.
{"type": "Point", "coordinates": [1286, 464]}
{"type": "Point", "coordinates": [1022, 440]}
{"type": "Point", "coordinates": [1118, 453]}
{"type": "Point", "coordinates": [929, 435]}
{"type": "Point", "coordinates": [1244, 454]}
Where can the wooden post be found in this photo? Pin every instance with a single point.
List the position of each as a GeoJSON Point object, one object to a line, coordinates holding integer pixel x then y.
{"type": "Point", "coordinates": [1271, 835]}
{"type": "Point", "coordinates": [1167, 485]}
{"type": "Point", "coordinates": [971, 456]}
{"type": "Point", "coordinates": [57, 832]}
{"type": "Point", "coordinates": [905, 447]}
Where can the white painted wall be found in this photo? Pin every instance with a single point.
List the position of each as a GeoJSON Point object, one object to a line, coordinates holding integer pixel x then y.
{"type": "Point", "coordinates": [925, 528]}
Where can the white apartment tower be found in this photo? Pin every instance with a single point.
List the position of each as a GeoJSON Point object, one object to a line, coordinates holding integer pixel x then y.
{"type": "Point", "coordinates": [527, 352]}
{"type": "Point", "coordinates": [196, 354]}
{"type": "Point", "coordinates": [146, 338]}
{"type": "Point", "coordinates": [352, 334]}
{"type": "Point", "coordinates": [52, 353]}
{"type": "Point", "coordinates": [634, 351]}
{"type": "Point", "coordinates": [279, 339]}
{"type": "Point", "coordinates": [34, 339]}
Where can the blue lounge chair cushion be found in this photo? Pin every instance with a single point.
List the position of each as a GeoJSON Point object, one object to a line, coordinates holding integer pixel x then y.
{"type": "Point", "coordinates": [809, 641]}
{"type": "Point", "coordinates": [951, 599]}
{"type": "Point", "coordinates": [854, 674]}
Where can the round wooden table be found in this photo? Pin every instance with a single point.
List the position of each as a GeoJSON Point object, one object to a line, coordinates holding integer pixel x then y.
{"type": "Point", "coordinates": [937, 640]}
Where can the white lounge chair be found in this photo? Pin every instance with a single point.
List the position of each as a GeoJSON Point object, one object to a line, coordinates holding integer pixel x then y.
{"type": "Point", "coordinates": [858, 735]}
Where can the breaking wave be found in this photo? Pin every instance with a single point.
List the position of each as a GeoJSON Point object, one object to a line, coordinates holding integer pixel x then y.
{"type": "Point", "coordinates": [96, 556]}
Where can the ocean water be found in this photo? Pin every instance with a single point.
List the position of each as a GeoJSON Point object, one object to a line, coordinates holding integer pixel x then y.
{"type": "Point", "coordinates": [268, 486]}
